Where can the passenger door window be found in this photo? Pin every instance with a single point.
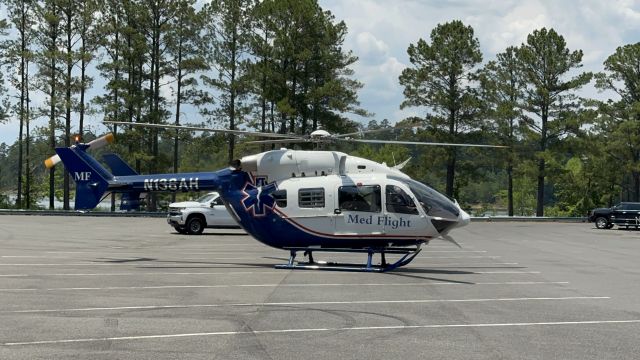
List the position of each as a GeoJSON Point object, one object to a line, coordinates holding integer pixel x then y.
{"type": "Point", "coordinates": [364, 198]}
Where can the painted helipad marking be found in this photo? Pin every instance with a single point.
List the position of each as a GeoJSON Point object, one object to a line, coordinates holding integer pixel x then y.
{"type": "Point", "coordinates": [287, 285]}
{"type": "Point", "coordinates": [341, 329]}
{"type": "Point", "coordinates": [361, 302]}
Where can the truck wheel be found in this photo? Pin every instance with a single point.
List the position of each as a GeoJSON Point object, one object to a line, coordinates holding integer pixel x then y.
{"type": "Point", "coordinates": [180, 229]}
{"type": "Point", "coordinates": [195, 225]}
{"type": "Point", "coordinates": [601, 223]}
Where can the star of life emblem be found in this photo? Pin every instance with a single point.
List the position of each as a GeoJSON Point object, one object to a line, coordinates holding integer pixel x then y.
{"type": "Point", "coordinates": [257, 198]}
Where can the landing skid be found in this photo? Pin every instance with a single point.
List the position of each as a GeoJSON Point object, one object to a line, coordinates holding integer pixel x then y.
{"type": "Point", "coordinates": [408, 255]}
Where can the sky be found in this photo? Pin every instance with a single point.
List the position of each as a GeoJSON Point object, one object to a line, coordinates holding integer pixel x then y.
{"type": "Point", "coordinates": [380, 31]}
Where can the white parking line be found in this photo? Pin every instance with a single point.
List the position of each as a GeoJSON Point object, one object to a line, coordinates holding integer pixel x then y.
{"type": "Point", "coordinates": [362, 302]}
{"type": "Point", "coordinates": [350, 257]}
{"type": "Point", "coordinates": [506, 272]}
{"type": "Point", "coordinates": [281, 272]}
{"type": "Point", "coordinates": [143, 262]}
{"type": "Point", "coordinates": [464, 265]}
{"type": "Point", "coordinates": [453, 251]}
{"type": "Point", "coordinates": [287, 285]}
{"type": "Point", "coordinates": [152, 273]}
{"type": "Point", "coordinates": [358, 328]}
{"type": "Point", "coordinates": [458, 257]}
{"type": "Point", "coordinates": [68, 252]}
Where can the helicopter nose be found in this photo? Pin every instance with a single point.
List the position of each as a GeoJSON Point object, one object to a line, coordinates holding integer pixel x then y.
{"type": "Point", "coordinates": [463, 218]}
{"type": "Point", "coordinates": [444, 225]}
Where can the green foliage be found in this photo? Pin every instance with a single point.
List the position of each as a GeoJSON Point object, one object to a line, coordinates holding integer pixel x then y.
{"type": "Point", "coordinates": [619, 121]}
{"type": "Point", "coordinates": [524, 197]}
{"type": "Point", "coordinates": [302, 69]}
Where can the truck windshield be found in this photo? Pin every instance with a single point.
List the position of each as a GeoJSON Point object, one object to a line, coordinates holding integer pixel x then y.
{"type": "Point", "coordinates": [433, 202]}
{"type": "Point", "coordinates": [206, 198]}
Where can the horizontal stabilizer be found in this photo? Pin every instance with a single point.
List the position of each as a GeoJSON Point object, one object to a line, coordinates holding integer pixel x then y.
{"type": "Point", "coordinates": [118, 166]}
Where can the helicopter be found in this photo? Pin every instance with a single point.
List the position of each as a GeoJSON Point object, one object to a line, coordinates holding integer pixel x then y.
{"type": "Point", "coordinates": [298, 200]}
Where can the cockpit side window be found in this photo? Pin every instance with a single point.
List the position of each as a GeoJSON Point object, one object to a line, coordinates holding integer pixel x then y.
{"type": "Point", "coordinates": [398, 201]}
{"type": "Point", "coordinates": [366, 198]}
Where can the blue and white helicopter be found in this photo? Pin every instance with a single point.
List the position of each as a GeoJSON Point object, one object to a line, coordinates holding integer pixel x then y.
{"type": "Point", "coordinates": [299, 201]}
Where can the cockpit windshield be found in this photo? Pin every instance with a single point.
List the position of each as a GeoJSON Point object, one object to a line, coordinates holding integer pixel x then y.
{"type": "Point", "coordinates": [433, 202]}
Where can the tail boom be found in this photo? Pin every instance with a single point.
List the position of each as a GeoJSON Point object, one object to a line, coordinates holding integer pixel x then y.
{"type": "Point", "coordinates": [93, 180]}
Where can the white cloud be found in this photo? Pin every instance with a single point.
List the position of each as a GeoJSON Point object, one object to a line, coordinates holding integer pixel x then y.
{"type": "Point", "coordinates": [367, 45]}
{"type": "Point", "coordinates": [380, 32]}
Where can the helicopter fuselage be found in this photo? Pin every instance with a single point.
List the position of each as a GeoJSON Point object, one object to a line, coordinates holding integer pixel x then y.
{"type": "Point", "coordinates": [297, 199]}
{"type": "Point", "coordinates": [331, 211]}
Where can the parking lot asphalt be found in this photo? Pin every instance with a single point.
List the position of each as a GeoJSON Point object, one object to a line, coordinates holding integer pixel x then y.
{"type": "Point", "coordinates": [131, 288]}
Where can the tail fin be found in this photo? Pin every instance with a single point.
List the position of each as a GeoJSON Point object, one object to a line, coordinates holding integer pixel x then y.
{"type": "Point", "coordinates": [130, 200]}
{"type": "Point", "coordinates": [118, 166]}
{"type": "Point", "coordinates": [92, 180]}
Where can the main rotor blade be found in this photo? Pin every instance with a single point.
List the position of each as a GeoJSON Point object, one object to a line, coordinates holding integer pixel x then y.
{"type": "Point", "coordinates": [280, 141]}
{"type": "Point", "coordinates": [197, 128]}
{"type": "Point", "coordinates": [419, 143]}
{"type": "Point", "coordinates": [374, 131]}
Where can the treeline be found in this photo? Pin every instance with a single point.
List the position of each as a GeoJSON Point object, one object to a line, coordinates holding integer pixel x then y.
{"type": "Point", "coordinates": [280, 66]}
{"type": "Point", "coordinates": [275, 65]}
{"type": "Point", "coordinates": [526, 98]}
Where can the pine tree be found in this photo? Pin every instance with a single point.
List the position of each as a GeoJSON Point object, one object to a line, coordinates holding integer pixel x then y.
{"type": "Point", "coordinates": [545, 62]}
{"type": "Point", "coordinates": [503, 85]}
{"type": "Point", "coordinates": [18, 58]}
{"type": "Point", "coordinates": [441, 80]}
{"type": "Point", "coordinates": [184, 47]}
{"type": "Point", "coordinates": [228, 34]}
{"type": "Point", "coordinates": [47, 55]}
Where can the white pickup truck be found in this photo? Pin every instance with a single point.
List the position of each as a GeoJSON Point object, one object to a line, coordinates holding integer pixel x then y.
{"type": "Point", "coordinates": [192, 217]}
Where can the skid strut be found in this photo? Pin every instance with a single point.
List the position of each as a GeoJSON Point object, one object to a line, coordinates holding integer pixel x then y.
{"type": "Point", "coordinates": [407, 255]}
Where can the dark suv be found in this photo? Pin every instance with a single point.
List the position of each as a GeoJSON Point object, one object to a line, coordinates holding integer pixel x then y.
{"type": "Point", "coordinates": [624, 214]}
